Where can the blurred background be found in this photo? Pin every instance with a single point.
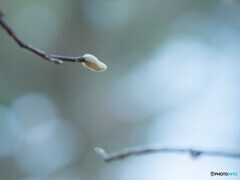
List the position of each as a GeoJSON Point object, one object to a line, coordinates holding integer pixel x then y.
{"type": "Point", "coordinates": [173, 79]}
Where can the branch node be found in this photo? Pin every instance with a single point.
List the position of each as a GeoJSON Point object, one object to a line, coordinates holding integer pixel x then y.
{"type": "Point", "coordinates": [194, 153]}
{"type": "Point", "coordinates": [56, 61]}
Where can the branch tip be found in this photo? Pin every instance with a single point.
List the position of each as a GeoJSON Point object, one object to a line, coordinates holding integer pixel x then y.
{"type": "Point", "coordinates": [99, 151]}
{"type": "Point", "coordinates": [88, 60]}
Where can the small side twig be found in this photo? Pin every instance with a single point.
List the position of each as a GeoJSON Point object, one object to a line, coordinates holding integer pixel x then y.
{"type": "Point", "coordinates": [49, 57]}
{"type": "Point", "coordinates": [147, 150]}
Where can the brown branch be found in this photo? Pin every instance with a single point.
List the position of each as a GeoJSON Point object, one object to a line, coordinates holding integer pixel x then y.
{"type": "Point", "coordinates": [147, 150]}
{"type": "Point", "coordinates": [49, 57]}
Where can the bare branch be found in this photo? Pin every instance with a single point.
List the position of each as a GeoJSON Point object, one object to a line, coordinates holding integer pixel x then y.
{"type": "Point", "coordinates": [147, 150]}
{"type": "Point", "coordinates": [49, 57]}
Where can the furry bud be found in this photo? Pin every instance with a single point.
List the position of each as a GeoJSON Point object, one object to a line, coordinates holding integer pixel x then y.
{"type": "Point", "coordinates": [91, 62]}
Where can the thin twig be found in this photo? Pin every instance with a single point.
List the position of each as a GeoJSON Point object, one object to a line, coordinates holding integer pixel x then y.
{"type": "Point", "coordinates": [147, 150]}
{"type": "Point", "coordinates": [49, 57]}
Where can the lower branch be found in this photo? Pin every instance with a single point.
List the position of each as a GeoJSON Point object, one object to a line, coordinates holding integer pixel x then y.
{"type": "Point", "coordinates": [147, 150]}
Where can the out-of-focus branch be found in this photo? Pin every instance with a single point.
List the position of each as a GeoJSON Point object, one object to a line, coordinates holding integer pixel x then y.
{"type": "Point", "coordinates": [88, 60]}
{"type": "Point", "coordinates": [147, 150]}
